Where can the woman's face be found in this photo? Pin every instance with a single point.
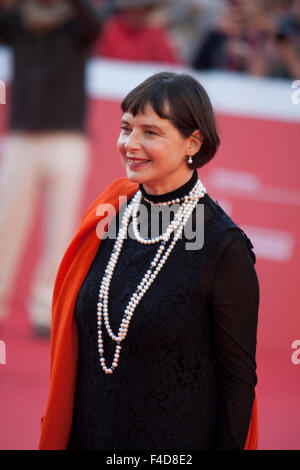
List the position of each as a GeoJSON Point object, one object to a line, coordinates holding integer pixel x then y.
{"type": "Point", "coordinates": [153, 151]}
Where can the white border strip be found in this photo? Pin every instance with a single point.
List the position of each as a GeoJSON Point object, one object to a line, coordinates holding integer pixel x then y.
{"type": "Point", "coordinates": [230, 93]}
{"type": "Point", "coordinates": [234, 94]}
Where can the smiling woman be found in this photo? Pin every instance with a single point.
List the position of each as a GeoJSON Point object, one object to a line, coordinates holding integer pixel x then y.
{"type": "Point", "coordinates": [153, 344]}
{"type": "Point", "coordinates": [152, 151]}
{"type": "Point", "coordinates": [169, 125]}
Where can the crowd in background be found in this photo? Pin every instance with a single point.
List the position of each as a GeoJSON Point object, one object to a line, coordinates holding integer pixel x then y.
{"type": "Point", "coordinates": [258, 37]}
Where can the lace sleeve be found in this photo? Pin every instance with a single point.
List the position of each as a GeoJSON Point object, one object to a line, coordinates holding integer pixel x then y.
{"type": "Point", "coordinates": [235, 301]}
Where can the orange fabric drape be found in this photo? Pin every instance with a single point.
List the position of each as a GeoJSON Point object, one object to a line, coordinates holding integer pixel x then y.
{"type": "Point", "coordinates": [57, 421]}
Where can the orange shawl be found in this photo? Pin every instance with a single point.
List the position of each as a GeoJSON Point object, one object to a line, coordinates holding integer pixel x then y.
{"type": "Point", "coordinates": [57, 421]}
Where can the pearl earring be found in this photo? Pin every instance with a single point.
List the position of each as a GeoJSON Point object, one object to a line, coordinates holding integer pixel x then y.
{"type": "Point", "coordinates": [190, 160]}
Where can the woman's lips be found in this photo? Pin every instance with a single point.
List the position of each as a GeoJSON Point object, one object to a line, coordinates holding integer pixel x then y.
{"type": "Point", "coordinates": [135, 163]}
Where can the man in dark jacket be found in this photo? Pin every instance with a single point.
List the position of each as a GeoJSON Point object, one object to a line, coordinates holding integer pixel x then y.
{"type": "Point", "coordinates": [46, 147]}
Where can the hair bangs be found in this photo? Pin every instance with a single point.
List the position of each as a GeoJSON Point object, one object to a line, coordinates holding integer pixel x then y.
{"type": "Point", "coordinates": [156, 96]}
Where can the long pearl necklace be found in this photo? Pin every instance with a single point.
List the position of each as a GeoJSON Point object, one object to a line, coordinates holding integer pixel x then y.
{"type": "Point", "coordinates": [177, 225]}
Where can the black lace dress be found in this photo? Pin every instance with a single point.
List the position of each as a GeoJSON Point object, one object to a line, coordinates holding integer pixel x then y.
{"type": "Point", "coordinates": [187, 370]}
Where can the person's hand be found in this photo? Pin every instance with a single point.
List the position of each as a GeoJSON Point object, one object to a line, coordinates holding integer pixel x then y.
{"type": "Point", "coordinates": [264, 24]}
{"type": "Point", "coordinates": [289, 56]}
{"type": "Point", "coordinates": [238, 49]}
{"type": "Point", "coordinates": [228, 24]}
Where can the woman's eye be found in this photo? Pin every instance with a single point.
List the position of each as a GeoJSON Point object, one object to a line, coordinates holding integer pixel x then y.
{"type": "Point", "coordinates": [148, 132]}
{"type": "Point", "coordinates": [125, 129]}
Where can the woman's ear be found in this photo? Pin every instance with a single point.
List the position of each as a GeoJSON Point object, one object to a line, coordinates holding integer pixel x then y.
{"type": "Point", "coordinates": [194, 142]}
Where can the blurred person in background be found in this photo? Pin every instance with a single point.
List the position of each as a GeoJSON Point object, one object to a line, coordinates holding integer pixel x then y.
{"type": "Point", "coordinates": [189, 22]}
{"type": "Point", "coordinates": [46, 149]}
{"type": "Point", "coordinates": [137, 32]}
{"type": "Point", "coordinates": [282, 58]}
{"type": "Point", "coordinates": [235, 40]}
{"type": "Point", "coordinates": [258, 38]}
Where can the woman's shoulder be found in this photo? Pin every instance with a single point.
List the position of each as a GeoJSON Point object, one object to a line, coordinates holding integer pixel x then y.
{"type": "Point", "coordinates": [220, 225]}
{"type": "Point", "coordinates": [118, 188]}
{"type": "Point", "coordinates": [213, 208]}
{"type": "Point", "coordinates": [215, 217]}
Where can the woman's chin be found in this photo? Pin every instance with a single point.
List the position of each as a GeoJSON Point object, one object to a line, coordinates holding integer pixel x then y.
{"type": "Point", "coordinates": [135, 176]}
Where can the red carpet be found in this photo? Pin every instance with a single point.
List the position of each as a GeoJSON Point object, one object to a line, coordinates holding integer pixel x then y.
{"type": "Point", "coordinates": [261, 159]}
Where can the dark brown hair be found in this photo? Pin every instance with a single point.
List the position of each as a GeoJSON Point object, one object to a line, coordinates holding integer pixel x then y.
{"type": "Point", "coordinates": [181, 99]}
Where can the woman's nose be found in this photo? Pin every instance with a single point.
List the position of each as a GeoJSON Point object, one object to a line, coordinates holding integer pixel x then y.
{"type": "Point", "coordinates": [132, 142]}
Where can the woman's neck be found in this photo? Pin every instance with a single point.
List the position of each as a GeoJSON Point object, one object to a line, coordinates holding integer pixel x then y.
{"type": "Point", "coordinates": [178, 192]}
{"type": "Point", "coordinates": [168, 187]}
